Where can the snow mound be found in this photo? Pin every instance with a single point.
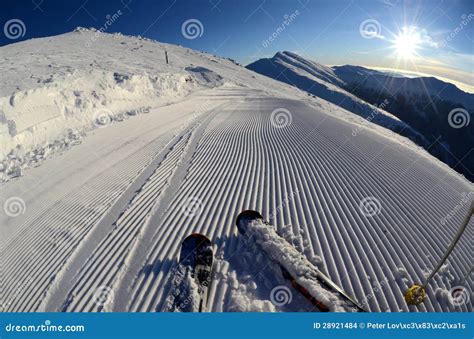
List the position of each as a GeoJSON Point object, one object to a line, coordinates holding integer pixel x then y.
{"type": "Point", "coordinates": [205, 77]}
{"type": "Point", "coordinates": [46, 119]}
{"type": "Point", "coordinates": [264, 237]}
{"type": "Point", "coordinates": [51, 106]}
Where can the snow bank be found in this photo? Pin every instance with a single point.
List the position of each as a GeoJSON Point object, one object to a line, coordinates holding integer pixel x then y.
{"type": "Point", "coordinates": [36, 122]}
{"type": "Point", "coordinates": [205, 77]}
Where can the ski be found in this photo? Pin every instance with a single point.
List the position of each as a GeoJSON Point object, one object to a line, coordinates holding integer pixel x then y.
{"type": "Point", "coordinates": [307, 279]}
{"type": "Point", "coordinates": [193, 276]}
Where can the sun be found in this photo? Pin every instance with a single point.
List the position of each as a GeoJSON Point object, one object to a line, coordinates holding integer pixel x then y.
{"type": "Point", "coordinates": [407, 43]}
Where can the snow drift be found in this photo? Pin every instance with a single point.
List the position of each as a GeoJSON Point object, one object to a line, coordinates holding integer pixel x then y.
{"type": "Point", "coordinates": [98, 227]}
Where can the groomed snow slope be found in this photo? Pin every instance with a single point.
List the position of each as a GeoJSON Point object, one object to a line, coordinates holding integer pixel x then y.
{"type": "Point", "coordinates": [101, 224]}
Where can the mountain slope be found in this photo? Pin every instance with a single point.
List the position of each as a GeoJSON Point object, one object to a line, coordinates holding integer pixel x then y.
{"type": "Point", "coordinates": [438, 110]}
{"type": "Point", "coordinates": [97, 227]}
{"type": "Point", "coordinates": [419, 107]}
{"type": "Point", "coordinates": [418, 86]}
{"type": "Point", "coordinates": [322, 82]}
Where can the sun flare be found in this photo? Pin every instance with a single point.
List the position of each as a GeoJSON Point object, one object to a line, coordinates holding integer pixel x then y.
{"type": "Point", "coordinates": [407, 43]}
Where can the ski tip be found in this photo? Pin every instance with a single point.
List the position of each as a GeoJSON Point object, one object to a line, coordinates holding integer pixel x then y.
{"type": "Point", "coordinates": [248, 214]}
{"type": "Point", "coordinates": [197, 236]}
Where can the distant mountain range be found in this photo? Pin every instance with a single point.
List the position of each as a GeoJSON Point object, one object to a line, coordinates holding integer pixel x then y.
{"type": "Point", "coordinates": [424, 103]}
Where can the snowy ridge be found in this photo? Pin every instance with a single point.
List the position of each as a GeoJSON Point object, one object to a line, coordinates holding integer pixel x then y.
{"type": "Point", "coordinates": [319, 71]}
{"type": "Point", "coordinates": [409, 87]}
{"type": "Point", "coordinates": [419, 109]}
{"type": "Point", "coordinates": [322, 82]}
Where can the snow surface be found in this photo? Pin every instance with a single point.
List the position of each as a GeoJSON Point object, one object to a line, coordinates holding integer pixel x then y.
{"type": "Point", "coordinates": [185, 147]}
{"type": "Point", "coordinates": [264, 238]}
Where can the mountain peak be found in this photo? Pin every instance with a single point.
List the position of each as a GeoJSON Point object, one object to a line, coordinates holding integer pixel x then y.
{"type": "Point", "coordinates": [286, 54]}
{"type": "Point", "coordinates": [81, 29]}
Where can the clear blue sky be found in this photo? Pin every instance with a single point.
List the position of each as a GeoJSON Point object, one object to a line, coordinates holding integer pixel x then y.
{"type": "Point", "coordinates": [327, 31]}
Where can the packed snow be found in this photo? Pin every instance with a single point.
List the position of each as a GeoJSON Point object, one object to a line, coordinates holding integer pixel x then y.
{"type": "Point", "coordinates": [95, 205]}
{"type": "Point", "coordinates": [263, 237]}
